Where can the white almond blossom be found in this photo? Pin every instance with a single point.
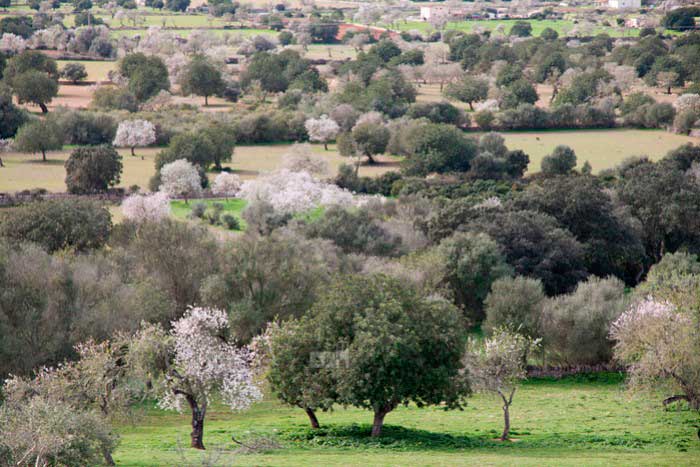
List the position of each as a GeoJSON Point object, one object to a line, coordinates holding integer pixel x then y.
{"type": "Point", "coordinates": [180, 179]}
{"type": "Point", "coordinates": [226, 185]}
{"type": "Point", "coordinates": [133, 133]}
{"type": "Point", "coordinates": [12, 43]}
{"type": "Point", "coordinates": [293, 192]}
{"type": "Point", "coordinates": [146, 208]}
{"type": "Point", "coordinates": [322, 129]}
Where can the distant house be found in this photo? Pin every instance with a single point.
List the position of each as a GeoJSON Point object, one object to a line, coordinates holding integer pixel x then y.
{"type": "Point", "coordinates": [622, 4]}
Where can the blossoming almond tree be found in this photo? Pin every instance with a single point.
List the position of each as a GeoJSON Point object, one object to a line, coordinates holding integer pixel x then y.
{"type": "Point", "coordinates": [226, 184]}
{"type": "Point", "coordinates": [146, 208]}
{"type": "Point", "coordinates": [194, 362]}
{"type": "Point", "coordinates": [133, 133]}
{"type": "Point", "coordinates": [659, 341]}
{"type": "Point", "coordinates": [322, 129]}
{"type": "Point", "coordinates": [180, 179]}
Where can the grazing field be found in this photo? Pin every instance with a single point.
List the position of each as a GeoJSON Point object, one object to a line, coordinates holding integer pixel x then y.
{"type": "Point", "coordinates": [96, 70]}
{"type": "Point", "coordinates": [561, 26]}
{"type": "Point", "coordinates": [27, 171]}
{"type": "Point", "coordinates": [602, 148]}
{"type": "Point", "coordinates": [568, 422]}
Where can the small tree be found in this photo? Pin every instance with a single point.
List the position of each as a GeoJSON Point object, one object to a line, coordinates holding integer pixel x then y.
{"type": "Point", "coordinates": [562, 161]}
{"type": "Point", "coordinates": [515, 304]}
{"type": "Point", "coordinates": [180, 179]}
{"type": "Point", "coordinates": [497, 366]}
{"type": "Point", "coordinates": [468, 90]}
{"type": "Point", "coordinates": [74, 72]}
{"type": "Point", "coordinates": [133, 133]}
{"type": "Point", "coordinates": [226, 185]}
{"type": "Point", "coordinates": [194, 362]}
{"type": "Point", "coordinates": [35, 87]}
{"type": "Point", "coordinates": [370, 139]}
{"type": "Point", "coordinates": [202, 78]}
{"type": "Point", "coordinates": [39, 136]}
{"type": "Point", "coordinates": [93, 169]}
{"type": "Point", "coordinates": [322, 129]}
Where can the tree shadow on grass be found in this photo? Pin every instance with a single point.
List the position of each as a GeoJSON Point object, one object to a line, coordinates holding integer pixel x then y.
{"type": "Point", "coordinates": [393, 437]}
{"type": "Point", "coordinates": [409, 439]}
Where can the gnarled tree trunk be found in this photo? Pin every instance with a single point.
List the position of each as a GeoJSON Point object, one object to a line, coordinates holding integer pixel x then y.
{"type": "Point", "coordinates": [312, 417]}
{"type": "Point", "coordinates": [507, 401]}
{"type": "Point", "coordinates": [198, 413]}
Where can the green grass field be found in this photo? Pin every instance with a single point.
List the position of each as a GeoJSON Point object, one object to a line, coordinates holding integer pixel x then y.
{"type": "Point", "coordinates": [181, 210]}
{"type": "Point", "coordinates": [602, 148]}
{"type": "Point", "coordinates": [561, 26]}
{"type": "Point", "coordinates": [567, 422]}
{"type": "Point", "coordinates": [116, 33]}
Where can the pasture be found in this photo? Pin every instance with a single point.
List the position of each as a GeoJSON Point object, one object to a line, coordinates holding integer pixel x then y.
{"type": "Point", "coordinates": [574, 421]}
{"type": "Point", "coordinates": [604, 149]}
{"type": "Point", "coordinates": [27, 171]}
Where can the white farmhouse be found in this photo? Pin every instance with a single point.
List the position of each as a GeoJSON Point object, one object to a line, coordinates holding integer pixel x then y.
{"type": "Point", "coordinates": [622, 4]}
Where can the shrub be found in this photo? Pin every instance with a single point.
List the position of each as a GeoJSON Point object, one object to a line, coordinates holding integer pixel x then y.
{"type": "Point", "coordinates": [231, 222]}
{"type": "Point", "coordinates": [74, 72]}
{"type": "Point", "coordinates": [576, 327]}
{"type": "Point", "coordinates": [562, 161]}
{"type": "Point", "coordinates": [56, 225]}
{"type": "Point", "coordinates": [515, 303]}
{"type": "Point", "coordinates": [198, 210]}
{"type": "Point", "coordinates": [114, 98]}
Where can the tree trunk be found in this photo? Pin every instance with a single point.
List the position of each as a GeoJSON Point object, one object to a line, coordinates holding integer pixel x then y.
{"type": "Point", "coordinates": [379, 415]}
{"type": "Point", "coordinates": [132, 152]}
{"type": "Point", "coordinates": [471, 107]}
{"type": "Point", "coordinates": [506, 413]}
{"type": "Point", "coordinates": [1, 164]}
{"type": "Point", "coordinates": [43, 107]}
{"type": "Point", "coordinates": [312, 418]}
{"type": "Point", "coordinates": [370, 159]}
{"type": "Point", "coordinates": [107, 456]}
{"type": "Point", "coordinates": [378, 423]}
{"type": "Point", "coordinates": [325, 145]}
{"type": "Point", "coordinates": [206, 101]}
{"type": "Point", "coordinates": [198, 413]}
{"type": "Point", "coordinates": [43, 155]}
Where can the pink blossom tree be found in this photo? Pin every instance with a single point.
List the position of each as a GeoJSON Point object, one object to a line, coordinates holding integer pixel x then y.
{"type": "Point", "coordinates": [133, 133]}
{"type": "Point", "coordinates": [193, 363]}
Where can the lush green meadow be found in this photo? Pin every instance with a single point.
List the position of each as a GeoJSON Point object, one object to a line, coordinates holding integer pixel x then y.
{"type": "Point", "coordinates": [567, 422]}
{"type": "Point", "coordinates": [562, 26]}
{"type": "Point", "coordinates": [181, 209]}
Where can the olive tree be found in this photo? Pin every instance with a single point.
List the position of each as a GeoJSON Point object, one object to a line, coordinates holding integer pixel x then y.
{"type": "Point", "coordinates": [74, 72]}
